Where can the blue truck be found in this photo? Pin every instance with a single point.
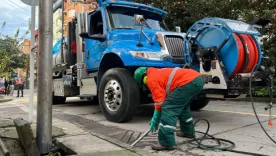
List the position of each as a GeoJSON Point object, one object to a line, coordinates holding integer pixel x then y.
{"type": "Point", "coordinates": [103, 48]}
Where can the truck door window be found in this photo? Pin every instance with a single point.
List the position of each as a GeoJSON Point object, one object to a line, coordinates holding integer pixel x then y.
{"type": "Point", "coordinates": [96, 23]}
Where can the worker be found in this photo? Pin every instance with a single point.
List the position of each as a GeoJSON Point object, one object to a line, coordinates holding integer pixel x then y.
{"type": "Point", "coordinates": [172, 90]}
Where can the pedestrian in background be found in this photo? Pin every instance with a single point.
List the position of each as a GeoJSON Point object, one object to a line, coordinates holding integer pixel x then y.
{"type": "Point", "coordinates": [9, 84]}
{"type": "Point", "coordinates": [16, 83]}
{"type": "Point", "coordinates": [11, 87]}
{"type": "Point", "coordinates": [20, 83]}
{"type": "Point", "coordinates": [6, 86]}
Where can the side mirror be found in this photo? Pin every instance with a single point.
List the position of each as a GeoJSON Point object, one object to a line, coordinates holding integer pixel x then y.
{"type": "Point", "coordinates": [178, 29]}
{"type": "Point", "coordinates": [83, 24]}
{"type": "Point", "coordinates": [100, 38]}
{"type": "Point", "coordinates": [139, 19]}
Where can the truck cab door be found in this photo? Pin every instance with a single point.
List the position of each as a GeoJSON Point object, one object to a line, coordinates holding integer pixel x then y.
{"type": "Point", "coordinates": [94, 48]}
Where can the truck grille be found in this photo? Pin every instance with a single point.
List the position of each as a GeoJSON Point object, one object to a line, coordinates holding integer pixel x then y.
{"type": "Point", "coordinates": [175, 45]}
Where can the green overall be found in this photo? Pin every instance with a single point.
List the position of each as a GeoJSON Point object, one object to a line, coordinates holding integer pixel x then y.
{"type": "Point", "coordinates": [177, 106]}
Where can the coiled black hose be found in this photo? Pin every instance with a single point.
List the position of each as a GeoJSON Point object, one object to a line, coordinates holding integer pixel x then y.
{"type": "Point", "coordinates": [206, 136]}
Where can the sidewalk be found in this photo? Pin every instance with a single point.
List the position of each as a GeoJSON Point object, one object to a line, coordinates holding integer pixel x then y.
{"type": "Point", "coordinates": [66, 135]}
{"type": "Point", "coordinates": [4, 98]}
{"type": "Point", "coordinates": [88, 143]}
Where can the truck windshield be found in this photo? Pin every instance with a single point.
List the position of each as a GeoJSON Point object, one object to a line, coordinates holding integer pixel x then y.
{"type": "Point", "coordinates": [122, 18]}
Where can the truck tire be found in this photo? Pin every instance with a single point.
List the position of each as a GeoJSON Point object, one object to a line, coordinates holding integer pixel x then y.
{"type": "Point", "coordinates": [199, 104]}
{"type": "Point", "coordinates": [118, 95]}
{"type": "Point", "coordinates": [58, 100]}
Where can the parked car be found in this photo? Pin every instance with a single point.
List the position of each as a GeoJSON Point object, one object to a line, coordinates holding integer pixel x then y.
{"type": "Point", "coordinates": [2, 88]}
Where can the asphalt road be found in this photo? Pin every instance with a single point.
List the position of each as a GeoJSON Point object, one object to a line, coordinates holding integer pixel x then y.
{"type": "Point", "coordinates": [229, 120]}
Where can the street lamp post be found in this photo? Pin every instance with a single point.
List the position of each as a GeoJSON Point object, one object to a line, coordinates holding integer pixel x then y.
{"type": "Point", "coordinates": [45, 79]}
{"type": "Point", "coordinates": [33, 4]}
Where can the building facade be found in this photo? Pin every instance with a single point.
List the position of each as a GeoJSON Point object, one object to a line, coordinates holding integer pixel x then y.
{"type": "Point", "coordinates": [71, 8]}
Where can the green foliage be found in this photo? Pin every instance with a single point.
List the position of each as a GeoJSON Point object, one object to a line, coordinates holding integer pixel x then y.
{"type": "Point", "coordinates": [10, 55]}
{"type": "Point", "coordinates": [54, 154]}
{"type": "Point", "coordinates": [262, 92]}
{"type": "Point", "coordinates": [185, 13]}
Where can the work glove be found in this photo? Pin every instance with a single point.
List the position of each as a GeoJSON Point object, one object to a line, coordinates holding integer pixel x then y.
{"type": "Point", "coordinates": [154, 123]}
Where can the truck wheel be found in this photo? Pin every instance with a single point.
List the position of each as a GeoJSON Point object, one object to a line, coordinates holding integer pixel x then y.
{"type": "Point", "coordinates": [199, 104]}
{"type": "Point", "coordinates": [118, 95]}
{"type": "Point", "coordinates": [58, 100]}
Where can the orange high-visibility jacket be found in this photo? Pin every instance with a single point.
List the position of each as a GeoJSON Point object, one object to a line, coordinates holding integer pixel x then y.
{"type": "Point", "coordinates": [157, 80]}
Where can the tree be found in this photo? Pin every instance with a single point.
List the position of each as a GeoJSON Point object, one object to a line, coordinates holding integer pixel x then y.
{"type": "Point", "coordinates": [10, 55]}
{"type": "Point", "coordinates": [185, 13]}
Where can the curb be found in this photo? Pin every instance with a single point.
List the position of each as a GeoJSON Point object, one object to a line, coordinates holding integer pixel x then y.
{"type": "Point", "coordinates": [5, 100]}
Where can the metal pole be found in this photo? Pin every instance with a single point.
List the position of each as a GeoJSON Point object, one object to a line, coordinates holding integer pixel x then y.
{"type": "Point", "coordinates": [139, 139]}
{"type": "Point", "coordinates": [44, 105]}
{"type": "Point", "coordinates": [82, 6]}
{"type": "Point", "coordinates": [32, 65]}
{"type": "Point", "coordinates": [62, 32]}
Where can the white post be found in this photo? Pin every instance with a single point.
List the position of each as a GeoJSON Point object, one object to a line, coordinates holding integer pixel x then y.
{"type": "Point", "coordinates": [31, 100]}
{"type": "Point", "coordinates": [82, 6]}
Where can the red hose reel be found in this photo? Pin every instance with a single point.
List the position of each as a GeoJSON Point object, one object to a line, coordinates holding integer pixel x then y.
{"type": "Point", "coordinates": [248, 54]}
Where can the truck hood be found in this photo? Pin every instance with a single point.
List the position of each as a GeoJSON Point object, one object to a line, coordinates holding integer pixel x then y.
{"type": "Point", "coordinates": [127, 40]}
{"type": "Point", "coordinates": [132, 36]}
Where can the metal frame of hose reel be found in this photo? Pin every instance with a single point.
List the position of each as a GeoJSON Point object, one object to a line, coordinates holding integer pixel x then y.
{"type": "Point", "coordinates": [220, 81]}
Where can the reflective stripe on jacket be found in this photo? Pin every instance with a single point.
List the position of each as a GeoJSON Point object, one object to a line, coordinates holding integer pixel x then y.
{"type": "Point", "coordinates": [157, 80]}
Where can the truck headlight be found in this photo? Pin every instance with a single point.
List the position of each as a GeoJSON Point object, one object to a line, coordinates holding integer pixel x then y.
{"type": "Point", "coordinates": [146, 55]}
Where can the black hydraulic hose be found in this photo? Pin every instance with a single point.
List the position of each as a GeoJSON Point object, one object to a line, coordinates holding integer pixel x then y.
{"type": "Point", "coordinates": [220, 143]}
{"type": "Point", "coordinates": [253, 106]}
{"type": "Point", "coordinates": [206, 136]}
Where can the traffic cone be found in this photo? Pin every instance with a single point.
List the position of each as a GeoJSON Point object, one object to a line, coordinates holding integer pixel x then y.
{"type": "Point", "coordinates": [270, 123]}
